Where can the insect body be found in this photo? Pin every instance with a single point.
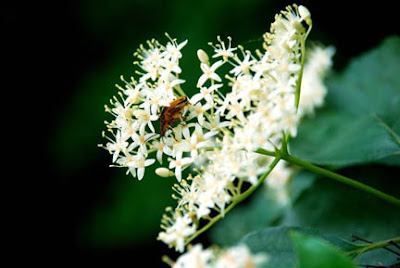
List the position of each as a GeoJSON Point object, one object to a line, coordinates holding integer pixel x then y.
{"type": "Point", "coordinates": [172, 114]}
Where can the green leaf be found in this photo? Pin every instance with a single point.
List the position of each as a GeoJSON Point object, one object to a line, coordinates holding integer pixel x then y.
{"type": "Point", "coordinates": [315, 253]}
{"type": "Point", "coordinates": [341, 211]}
{"type": "Point", "coordinates": [361, 121]}
{"type": "Point", "coordinates": [334, 138]}
{"type": "Point", "coordinates": [261, 211]}
{"type": "Point", "coordinates": [276, 242]}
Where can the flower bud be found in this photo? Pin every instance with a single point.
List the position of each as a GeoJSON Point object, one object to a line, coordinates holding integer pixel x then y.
{"type": "Point", "coordinates": [305, 14]}
{"type": "Point", "coordinates": [164, 172]}
{"type": "Point", "coordinates": [203, 57]}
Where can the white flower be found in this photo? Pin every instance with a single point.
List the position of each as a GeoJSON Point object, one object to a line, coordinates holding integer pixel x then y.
{"type": "Point", "coordinates": [234, 257]}
{"type": "Point", "coordinates": [173, 49]}
{"type": "Point", "coordinates": [209, 73]}
{"type": "Point", "coordinates": [221, 50]}
{"type": "Point", "coordinates": [176, 233]}
{"type": "Point", "coordinates": [140, 140]}
{"type": "Point", "coordinates": [144, 117]}
{"type": "Point", "coordinates": [234, 107]}
{"type": "Point", "coordinates": [205, 93]}
{"type": "Point", "coordinates": [156, 98]}
{"type": "Point", "coordinates": [140, 162]}
{"type": "Point", "coordinates": [313, 90]}
{"type": "Point", "coordinates": [193, 145]}
{"type": "Point", "coordinates": [240, 257]}
{"type": "Point", "coordinates": [196, 257]}
{"type": "Point", "coordinates": [119, 145]}
{"type": "Point", "coordinates": [150, 63]}
{"type": "Point", "coordinates": [243, 66]}
{"type": "Point", "coordinates": [179, 163]}
{"type": "Point", "coordinates": [161, 149]}
{"type": "Point", "coordinates": [214, 122]}
{"type": "Point", "coordinates": [198, 110]}
{"type": "Point", "coordinates": [125, 161]}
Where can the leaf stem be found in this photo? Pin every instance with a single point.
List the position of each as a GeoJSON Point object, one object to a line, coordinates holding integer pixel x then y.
{"type": "Point", "coordinates": [372, 246]}
{"type": "Point", "coordinates": [235, 201]}
{"type": "Point", "coordinates": [330, 174]}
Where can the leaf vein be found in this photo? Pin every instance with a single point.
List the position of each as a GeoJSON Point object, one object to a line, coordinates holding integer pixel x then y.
{"type": "Point", "coordinates": [394, 135]}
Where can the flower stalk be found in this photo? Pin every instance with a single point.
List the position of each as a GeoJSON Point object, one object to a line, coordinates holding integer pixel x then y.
{"type": "Point", "coordinates": [302, 63]}
{"type": "Point", "coordinates": [330, 174]}
{"type": "Point", "coordinates": [372, 246]}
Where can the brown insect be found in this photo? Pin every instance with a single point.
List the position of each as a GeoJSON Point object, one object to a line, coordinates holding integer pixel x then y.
{"type": "Point", "coordinates": [172, 114]}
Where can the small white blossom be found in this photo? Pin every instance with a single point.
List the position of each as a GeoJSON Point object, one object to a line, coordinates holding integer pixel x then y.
{"type": "Point", "coordinates": [240, 257]}
{"type": "Point", "coordinates": [179, 163]}
{"type": "Point", "coordinates": [243, 66]}
{"type": "Point", "coordinates": [140, 162]}
{"type": "Point", "coordinates": [198, 110]}
{"type": "Point", "coordinates": [118, 146]}
{"type": "Point", "coordinates": [176, 233]}
{"type": "Point", "coordinates": [195, 257]}
{"type": "Point", "coordinates": [209, 73]}
{"type": "Point", "coordinates": [234, 257]}
{"type": "Point", "coordinates": [206, 94]}
{"type": "Point", "coordinates": [222, 51]}
{"type": "Point", "coordinates": [214, 123]}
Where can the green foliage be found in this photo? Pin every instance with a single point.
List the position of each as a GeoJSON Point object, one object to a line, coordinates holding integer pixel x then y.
{"type": "Point", "coordinates": [314, 253]}
{"type": "Point", "coordinates": [361, 121]}
{"type": "Point", "coordinates": [338, 210]}
{"type": "Point", "coordinates": [281, 247]}
{"type": "Point", "coordinates": [262, 210]}
{"type": "Point", "coordinates": [276, 243]}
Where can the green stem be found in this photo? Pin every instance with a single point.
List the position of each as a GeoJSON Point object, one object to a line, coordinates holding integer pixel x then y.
{"type": "Point", "coordinates": [373, 246]}
{"type": "Point", "coordinates": [381, 244]}
{"type": "Point", "coordinates": [180, 91]}
{"type": "Point", "coordinates": [330, 174]}
{"type": "Point", "coordinates": [302, 62]}
{"type": "Point", "coordinates": [235, 201]}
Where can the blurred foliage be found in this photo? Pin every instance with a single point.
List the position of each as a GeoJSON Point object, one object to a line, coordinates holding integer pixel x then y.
{"type": "Point", "coordinates": [361, 121]}
{"type": "Point", "coordinates": [108, 209]}
{"type": "Point", "coordinates": [264, 209]}
{"type": "Point", "coordinates": [308, 248]}
{"type": "Point", "coordinates": [288, 246]}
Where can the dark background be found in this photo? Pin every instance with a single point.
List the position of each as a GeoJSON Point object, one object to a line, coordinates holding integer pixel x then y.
{"type": "Point", "coordinates": [63, 60]}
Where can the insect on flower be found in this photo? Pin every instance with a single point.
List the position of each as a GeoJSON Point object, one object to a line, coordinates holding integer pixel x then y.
{"type": "Point", "coordinates": [172, 114]}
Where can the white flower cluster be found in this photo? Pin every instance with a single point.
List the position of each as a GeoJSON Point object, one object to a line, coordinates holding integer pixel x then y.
{"type": "Point", "coordinates": [141, 101]}
{"type": "Point", "coordinates": [257, 112]}
{"type": "Point", "coordinates": [313, 90]}
{"type": "Point", "coordinates": [235, 257]}
{"type": "Point", "coordinates": [217, 130]}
